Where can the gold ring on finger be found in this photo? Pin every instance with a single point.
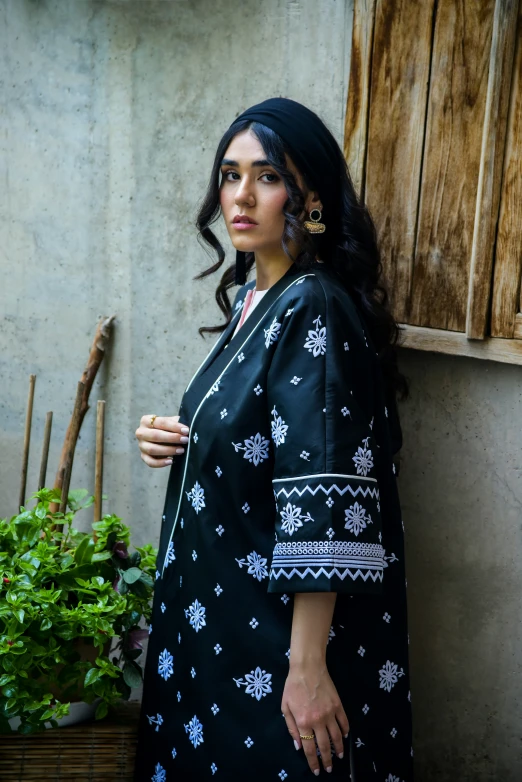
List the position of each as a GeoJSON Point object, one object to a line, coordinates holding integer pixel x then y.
{"type": "Point", "coordinates": [307, 737]}
{"type": "Point", "coordinates": [152, 419]}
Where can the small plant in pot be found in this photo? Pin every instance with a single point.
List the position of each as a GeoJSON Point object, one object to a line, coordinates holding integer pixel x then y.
{"type": "Point", "coordinates": [65, 597]}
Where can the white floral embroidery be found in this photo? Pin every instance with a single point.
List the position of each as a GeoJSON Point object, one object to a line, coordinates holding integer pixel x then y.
{"type": "Point", "coordinates": [220, 530]}
{"type": "Point", "coordinates": [256, 565]}
{"type": "Point", "coordinates": [214, 388]}
{"type": "Point", "coordinates": [253, 623]}
{"type": "Point", "coordinates": [223, 413]}
{"type": "Point", "coordinates": [279, 428]}
{"type": "Point", "coordinates": [295, 380]}
{"type": "Point", "coordinates": [195, 731]}
{"type": "Point", "coordinates": [163, 608]}
{"type": "Point", "coordinates": [346, 346]}
{"type": "Point", "coordinates": [289, 312]}
{"type": "Point", "coordinates": [386, 411]}
{"type": "Point", "coordinates": [194, 555]}
{"type": "Point", "coordinates": [361, 650]}
{"type": "Point", "coordinates": [219, 472]}
{"type": "Point", "coordinates": [170, 556]}
{"type": "Point", "coordinates": [157, 721]}
{"type": "Point", "coordinates": [257, 683]}
{"type": "Point", "coordinates": [195, 438]}
{"type": "Point", "coordinates": [255, 448]}
{"type": "Point", "coordinates": [245, 508]}
{"type": "Point", "coordinates": [248, 742]}
{"type": "Point", "coordinates": [174, 753]}
{"type": "Point", "coordinates": [282, 774]}
{"type": "Point", "coordinates": [197, 497]}
{"type": "Point", "coordinates": [213, 768]}
{"type": "Point", "coordinates": [196, 612]}
{"type": "Point", "coordinates": [329, 502]}
{"type": "Point", "coordinates": [150, 629]}
{"type": "Point", "coordinates": [330, 533]}
{"type": "Point", "coordinates": [356, 518]}
{"type": "Point", "coordinates": [258, 390]}
{"type": "Point", "coordinates": [160, 774]}
{"type": "Point", "coordinates": [293, 518]}
{"type": "Point", "coordinates": [363, 459]}
{"type": "Point", "coordinates": [386, 617]}
{"type": "Point", "coordinates": [272, 333]}
{"type": "Point", "coordinates": [304, 455]}
{"type": "Point", "coordinates": [239, 304]}
{"type": "Point", "coordinates": [366, 708]}
{"type": "Point", "coordinates": [393, 732]}
{"type": "Point", "coordinates": [392, 558]}
{"type": "Point", "coordinates": [331, 634]}
{"type": "Point", "coordinates": [285, 599]}
{"type": "Point", "coordinates": [241, 358]}
{"type": "Point", "coordinates": [214, 709]}
{"type": "Point", "coordinates": [391, 778]}
{"type": "Point", "coordinates": [346, 412]}
{"type": "Point", "coordinates": [165, 664]}
{"type": "Point", "coordinates": [389, 675]}
{"type": "Point", "coordinates": [316, 341]}
{"type": "Point", "coordinates": [192, 671]}
{"type": "Point", "coordinates": [179, 696]}
{"type": "Point", "coordinates": [218, 649]}
{"type": "Point", "coordinates": [218, 590]}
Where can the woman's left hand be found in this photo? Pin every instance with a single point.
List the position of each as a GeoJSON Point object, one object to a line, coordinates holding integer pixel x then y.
{"type": "Point", "coordinates": [311, 705]}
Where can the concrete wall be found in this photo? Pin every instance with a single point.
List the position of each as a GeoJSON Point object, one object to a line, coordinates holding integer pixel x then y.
{"type": "Point", "coordinates": [113, 112]}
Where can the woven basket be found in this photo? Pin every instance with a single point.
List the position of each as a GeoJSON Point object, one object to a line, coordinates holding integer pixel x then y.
{"type": "Point", "coordinates": [97, 751]}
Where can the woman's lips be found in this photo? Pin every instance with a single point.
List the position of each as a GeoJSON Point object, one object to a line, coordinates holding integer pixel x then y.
{"type": "Point", "coordinates": [242, 226]}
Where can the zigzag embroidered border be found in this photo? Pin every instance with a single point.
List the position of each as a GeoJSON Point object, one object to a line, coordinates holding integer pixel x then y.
{"type": "Point", "coordinates": [365, 491]}
{"type": "Point", "coordinates": [374, 576]}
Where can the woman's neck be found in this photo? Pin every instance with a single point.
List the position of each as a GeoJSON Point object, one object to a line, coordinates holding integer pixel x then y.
{"type": "Point", "coordinates": [269, 272]}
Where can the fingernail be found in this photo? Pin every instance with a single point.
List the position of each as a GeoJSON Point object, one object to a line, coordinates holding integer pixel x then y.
{"type": "Point", "coordinates": [168, 461]}
{"type": "Point", "coordinates": [185, 429]}
{"type": "Point", "coordinates": [180, 450]}
{"type": "Point", "coordinates": [341, 755]}
{"type": "Point", "coordinates": [329, 770]}
{"type": "Point", "coordinates": [345, 735]}
{"type": "Point", "coordinates": [183, 439]}
{"type": "Point", "coordinates": [316, 772]}
{"type": "Point", "coordinates": [296, 745]}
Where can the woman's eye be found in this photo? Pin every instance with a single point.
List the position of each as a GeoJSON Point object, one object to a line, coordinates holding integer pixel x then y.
{"type": "Point", "coordinates": [228, 179]}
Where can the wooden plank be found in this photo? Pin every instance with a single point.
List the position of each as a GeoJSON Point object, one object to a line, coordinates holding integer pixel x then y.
{"type": "Point", "coordinates": [517, 334]}
{"type": "Point", "coordinates": [507, 292]}
{"type": "Point", "coordinates": [456, 110]}
{"type": "Point", "coordinates": [357, 100]}
{"type": "Point", "coordinates": [508, 351]}
{"type": "Point", "coordinates": [490, 175]}
{"type": "Point", "coordinates": [399, 93]}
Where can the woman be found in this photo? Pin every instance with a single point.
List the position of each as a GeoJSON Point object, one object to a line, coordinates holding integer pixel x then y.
{"type": "Point", "coordinates": [279, 640]}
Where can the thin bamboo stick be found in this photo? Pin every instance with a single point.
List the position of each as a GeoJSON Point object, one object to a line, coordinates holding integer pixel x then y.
{"type": "Point", "coordinates": [27, 438]}
{"type": "Point", "coordinates": [98, 474]}
{"type": "Point", "coordinates": [45, 449]}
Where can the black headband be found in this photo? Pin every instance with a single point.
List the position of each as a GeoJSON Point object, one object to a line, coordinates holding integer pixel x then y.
{"type": "Point", "coordinates": [313, 149]}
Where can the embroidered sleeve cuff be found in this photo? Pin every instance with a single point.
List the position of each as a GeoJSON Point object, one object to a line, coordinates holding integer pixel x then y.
{"type": "Point", "coordinates": [328, 534]}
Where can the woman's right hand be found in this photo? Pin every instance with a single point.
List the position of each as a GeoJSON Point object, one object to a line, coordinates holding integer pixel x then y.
{"type": "Point", "coordinates": [159, 443]}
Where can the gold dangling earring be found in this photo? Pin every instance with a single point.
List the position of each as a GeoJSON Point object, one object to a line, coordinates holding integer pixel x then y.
{"type": "Point", "coordinates": [315, 227]}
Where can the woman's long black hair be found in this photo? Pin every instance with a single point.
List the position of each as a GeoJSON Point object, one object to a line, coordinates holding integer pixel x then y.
{"type": "Point", "coordinates": [352, 250]}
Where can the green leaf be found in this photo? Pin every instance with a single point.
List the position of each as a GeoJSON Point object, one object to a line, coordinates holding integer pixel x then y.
{"type": "Point", "coordinates": [101, 556]}
{"type": "Point", "coordinates": [132, 674]}
{"type": "Point", "coordinates": [131, 575]}
{"type": "Point", "coordinates": [102, 710]}
{"type": "Point", "coordinates": [5, 679]}
{"type": "Point", "coordinates": [147, 580]}
{"type": "Point", "coordinates": [20, 614]}
{"type": "Point", "coordinates": [46, 624]}
{"type": "Point", "coordinates": [92, 675]}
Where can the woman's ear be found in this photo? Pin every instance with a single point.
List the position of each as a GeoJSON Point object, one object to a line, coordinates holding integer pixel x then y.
{"type": "Point", "coordinates": [313, 201]}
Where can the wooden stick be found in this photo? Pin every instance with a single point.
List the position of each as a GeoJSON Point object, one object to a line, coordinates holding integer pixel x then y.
{"type": "Point", "coordinates": [45, 449]}
{"type": "Point", "coordinates": [94, 361]}
{"type": "Point", "coordinates": [98, 473]}
{"type": "Point", "coordinates": [27, 438]}
{"type": "Point", "coordinates": [74, 429]}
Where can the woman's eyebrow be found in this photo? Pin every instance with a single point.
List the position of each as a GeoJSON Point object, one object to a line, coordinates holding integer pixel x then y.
{"type": "Point", "coordinates": [258, 163]}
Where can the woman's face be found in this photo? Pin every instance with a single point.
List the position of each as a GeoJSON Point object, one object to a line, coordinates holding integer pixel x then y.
{"type": "Point", "coordinates": [253, 188]}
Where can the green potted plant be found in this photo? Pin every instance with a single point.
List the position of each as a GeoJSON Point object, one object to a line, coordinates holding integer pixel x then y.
{"type": "Point", "coordinates": [65, 597]}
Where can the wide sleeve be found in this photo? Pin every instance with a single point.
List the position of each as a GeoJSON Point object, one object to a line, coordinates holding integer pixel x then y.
{"type": "Point", "coordinates": [320, 398]}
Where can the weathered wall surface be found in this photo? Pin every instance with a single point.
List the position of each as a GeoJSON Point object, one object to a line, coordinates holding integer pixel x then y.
{"type": "Point", "coordinates": [112, 114]}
